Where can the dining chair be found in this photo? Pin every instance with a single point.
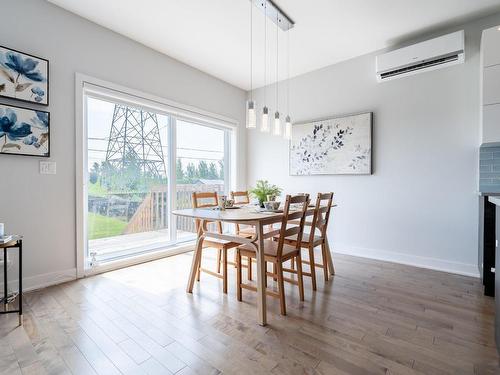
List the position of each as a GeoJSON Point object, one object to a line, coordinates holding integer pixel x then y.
{"type": "Point", "coordinates": [316, 237]}
{"type": "Point", "coordinates": [208, 200]}
{"type": "Point", "coordinates": [278, 252]}
{"type": "Point", "coordinates": [242, 198]}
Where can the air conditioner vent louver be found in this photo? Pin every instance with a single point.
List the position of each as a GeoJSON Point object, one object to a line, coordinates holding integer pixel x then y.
{"type": "Point", "coordinates": [422, 57]}
{"type": "Point", "coordinates": [425, 64]}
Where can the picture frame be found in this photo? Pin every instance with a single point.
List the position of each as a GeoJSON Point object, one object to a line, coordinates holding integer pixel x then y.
{"type": "Point", "coordinates": [336, 145]}
{"type": "Point", "coordinates": [24, 131]}
{"type": "Point", "coordinates": [24, 77]}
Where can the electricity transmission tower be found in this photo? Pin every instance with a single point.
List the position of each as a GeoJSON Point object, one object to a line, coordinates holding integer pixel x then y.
{"type": "Point", "coordinates": [134, 138]}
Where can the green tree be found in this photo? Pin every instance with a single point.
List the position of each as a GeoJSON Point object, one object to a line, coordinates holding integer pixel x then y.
{"type": "Point", "coordinates": [190, 172]}
{"type": "Point", "coordinates": [221, 169]}
{"type": "Point", "coordinates": [203, 169]}
{"type": "Point", "coordinates": [213, 174]}
{"type": "Point", "coordinates": [179, 172]}
{"type": "Point", "coordinates": [94, 173]}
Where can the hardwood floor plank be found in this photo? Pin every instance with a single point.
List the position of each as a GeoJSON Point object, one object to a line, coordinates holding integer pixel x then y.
{"type": "Point", "coordinates": [373, 317]}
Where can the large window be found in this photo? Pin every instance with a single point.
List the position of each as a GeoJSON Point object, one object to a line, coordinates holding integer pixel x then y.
{"type": "Point", "coordinates": [140, 162]}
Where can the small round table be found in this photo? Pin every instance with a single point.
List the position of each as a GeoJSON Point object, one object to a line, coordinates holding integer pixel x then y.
{"type": "Point", "coordinates": [15, 243]}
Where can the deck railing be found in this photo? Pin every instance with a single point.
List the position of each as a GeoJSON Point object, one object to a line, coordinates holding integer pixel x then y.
{"type": "Point", "coordinates": [152, 213]}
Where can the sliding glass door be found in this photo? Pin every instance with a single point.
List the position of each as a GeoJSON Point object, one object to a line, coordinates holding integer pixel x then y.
{"type": "Point", "coordinates": [201, 161]}
{"type": "Point", "coordinates": [127, 189]}
{"type": "Point", "coordinates": [141, 162]}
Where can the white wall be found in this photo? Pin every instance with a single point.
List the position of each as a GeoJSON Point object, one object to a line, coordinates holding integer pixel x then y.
{"type": "Point", "coordinates": [42, 207]}
{"type": "Point", "coordinates": [420, 205]}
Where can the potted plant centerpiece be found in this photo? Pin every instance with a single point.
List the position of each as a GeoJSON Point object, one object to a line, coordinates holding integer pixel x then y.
{"type": "Point", "coordinates": [263, 189]}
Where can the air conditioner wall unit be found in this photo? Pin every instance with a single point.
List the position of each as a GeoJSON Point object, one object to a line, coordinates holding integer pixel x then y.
{"type": "Point", "coordinates": [432, 54]}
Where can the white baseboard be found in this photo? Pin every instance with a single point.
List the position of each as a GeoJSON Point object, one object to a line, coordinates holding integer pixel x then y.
{"type": "Point", "coordinates": [43, 281]}
{"type": "Point", "coordinates": [411, 260]}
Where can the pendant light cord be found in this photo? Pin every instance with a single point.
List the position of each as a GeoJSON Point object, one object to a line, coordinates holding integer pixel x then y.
{"type": "Point", "coordinates": [265, 50]}
{"type": "Point", "coordinates": [288, 75]}
{"type": "Point", "coordinates": [251, 51]}
{"type": "Point", "coordinates": [277, 54]}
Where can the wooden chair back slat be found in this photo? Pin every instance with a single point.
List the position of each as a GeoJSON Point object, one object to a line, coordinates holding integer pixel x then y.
{"type": "Point", "coordinates": [204, 200]}
{"type": "Point", "coordinates": [288, 216]}
{"type": "Point", "coordinates": [321, 215]}
{"type": "Point", "coordinates": [298, 198]}
{"type": "Point", "coordinates": [240, 197]}
{"type": "Point", "coordinates": [295, 215]}
{"type": "Point", "coordinates": [292, 231]}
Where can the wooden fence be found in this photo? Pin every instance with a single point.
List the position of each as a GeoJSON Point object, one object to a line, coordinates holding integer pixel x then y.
{"type": "Point", "coordinates": [152, 213]}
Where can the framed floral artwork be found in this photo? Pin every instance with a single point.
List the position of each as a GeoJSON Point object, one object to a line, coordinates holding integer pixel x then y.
{"type": "Point", "coordinates": [338, 145]}
{"type": "Point", "coordinates": [24, 77]}
{"type": "Point", "coordinates": [24, 131]}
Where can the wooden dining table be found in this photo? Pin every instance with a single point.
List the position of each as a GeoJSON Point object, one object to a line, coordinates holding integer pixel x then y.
{"type": "Point", "coordinates": [243, 215]}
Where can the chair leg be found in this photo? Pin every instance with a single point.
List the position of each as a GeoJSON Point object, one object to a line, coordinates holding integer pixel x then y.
{"type": "Point", "coordinates": [224, 271]}
{"type": "Point", "coordinates": [235, 258]}
{"type": "Point", "coordinates": [265, 274]}
{"type": "Point", "coordinates": [281, 287]}
{"type": "Point", "coordinates": [300, 276]}
{"type": "Point", "coordinates": [325, 260]}
{"type": "Point", "coordinates": [312, 266]}
{"type": "Point", "coordinates": [238, 275]}
{"type": "Point", "coordinates": [292, 263]}
{"type": "Point", "coordinates": [198, 271]}
{"type": "Point", "coordinates": [249, 269]}
{"type": "Point", "coordinates": [274, 272]}
{"type": "Point", "coordinates": [219, 252]}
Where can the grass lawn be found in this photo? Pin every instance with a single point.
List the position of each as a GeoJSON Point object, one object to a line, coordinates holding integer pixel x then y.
{"type": "Point", "coordinates": [102, 226]}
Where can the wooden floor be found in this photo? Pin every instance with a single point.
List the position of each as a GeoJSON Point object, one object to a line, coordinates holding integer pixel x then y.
{"type": "Point", "coordinates": [373, 318]}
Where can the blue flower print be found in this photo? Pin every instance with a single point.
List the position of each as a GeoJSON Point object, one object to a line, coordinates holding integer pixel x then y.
{"type": "Point", "coordinates": [30, 139]}
{"type": "Point", "coordinates": [11, 128]}
{"type": "Point", "coordinates": [41, 121]}
{"type": "Point", "coordinates": [23, 67]}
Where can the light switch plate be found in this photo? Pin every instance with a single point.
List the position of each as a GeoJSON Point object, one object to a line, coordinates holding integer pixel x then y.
{"type": "Point", "coordinates": [47, 167]}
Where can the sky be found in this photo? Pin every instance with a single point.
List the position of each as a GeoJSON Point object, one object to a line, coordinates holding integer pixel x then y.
{"type": "Point", "coordinates": [194, 142]}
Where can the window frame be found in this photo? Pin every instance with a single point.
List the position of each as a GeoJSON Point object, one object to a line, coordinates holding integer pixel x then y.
{"type": "Point", "coordinates": [85, 87]}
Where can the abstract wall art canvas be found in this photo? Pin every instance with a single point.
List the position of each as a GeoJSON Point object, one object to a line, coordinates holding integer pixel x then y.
{"type": "Point", "coordinates": [340, 145]}
{"type": "Point", "coordinates": [24, 131]}
{"type": "Point", "coordinates": [24, 77]}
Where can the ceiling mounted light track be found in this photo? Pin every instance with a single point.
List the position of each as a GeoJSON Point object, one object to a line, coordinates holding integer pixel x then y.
{"type": "Point", "coordinates": [274, 13]}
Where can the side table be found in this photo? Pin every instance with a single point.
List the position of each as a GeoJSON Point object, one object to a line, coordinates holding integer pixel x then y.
{"type": "Point", "coordinates": [15, 243]}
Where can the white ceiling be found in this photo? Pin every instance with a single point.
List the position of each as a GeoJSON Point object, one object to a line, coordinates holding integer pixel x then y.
{"type": "Point", "coordinates": [214, 35]}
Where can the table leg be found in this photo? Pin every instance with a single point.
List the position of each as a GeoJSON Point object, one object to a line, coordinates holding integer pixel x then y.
{"type": "Point", "coordinates": [331, 269]}
{"type": "Point", "coordinates": [261, 276]}
{"type": "Point", "coordinates": [196, 258]}
{"type": "Point", "coordinates": [5, 278]}
{"type": "Point", "coordinates": [20, 283]}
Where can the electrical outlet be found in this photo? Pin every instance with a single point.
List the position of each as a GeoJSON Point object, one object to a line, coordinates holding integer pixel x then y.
{"type": "Point", "coordinates": [47, 167]}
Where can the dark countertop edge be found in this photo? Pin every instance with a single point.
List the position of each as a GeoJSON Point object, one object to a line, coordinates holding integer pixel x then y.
{"type": "Point", "coordinates": [494, 200]}
{"type": "Point", "coordinates": [483, 194]}
{"type": "Point", "coordinates": [490, 144]}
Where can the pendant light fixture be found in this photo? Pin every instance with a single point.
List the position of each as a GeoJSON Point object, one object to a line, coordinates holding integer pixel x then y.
{"type": "Point", "coordinates": [264, 126]}
{"type": "Point", "coordinates": [285, 23]}
{"type": "Point", "coordinates": [288, 121]}
{"type": "Point", "coordinates": [277, 122]}
{"type": "Point", "coordinates": [251, 110]}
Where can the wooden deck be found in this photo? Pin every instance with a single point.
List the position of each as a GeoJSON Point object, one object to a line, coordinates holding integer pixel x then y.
{"type": "Point", "coordinates": [373, 318]}
{"type": "Point", "coordinates": [126, 244]}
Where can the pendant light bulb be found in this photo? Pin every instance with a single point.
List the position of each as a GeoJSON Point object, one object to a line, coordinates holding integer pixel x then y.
{"type": "Point", "coordinates": [288, 128]}
{"type": "Point", "coordinates": [264, 126]}
{"type": "Point", "coordinates": [251, 115]}
{"type": "Point", "coordinates": [277, 124]}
